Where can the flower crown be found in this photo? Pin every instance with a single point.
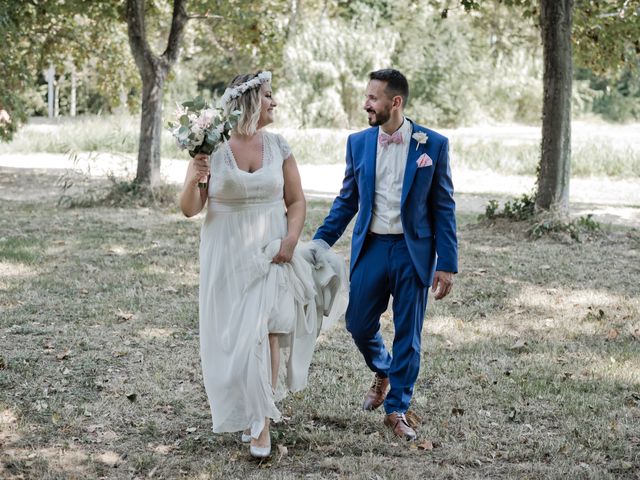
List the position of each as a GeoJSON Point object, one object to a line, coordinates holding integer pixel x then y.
{"type": "Point", "coordinates": [234, 92]}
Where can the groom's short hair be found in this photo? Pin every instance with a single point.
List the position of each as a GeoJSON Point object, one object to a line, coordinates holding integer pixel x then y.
{"type": "Point", "coordinates": [396, 83]}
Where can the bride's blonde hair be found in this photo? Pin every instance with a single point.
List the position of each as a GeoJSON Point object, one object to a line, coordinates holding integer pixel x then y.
{"type": "Point", "coordinates": [249, 103]}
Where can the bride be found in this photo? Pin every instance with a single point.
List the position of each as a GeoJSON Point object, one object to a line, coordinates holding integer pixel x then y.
{"type": "Point", "coordinates": [261, 300]}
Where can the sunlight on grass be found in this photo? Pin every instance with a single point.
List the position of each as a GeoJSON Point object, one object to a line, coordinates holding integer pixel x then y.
{"type": "Point", "coordinates": [567, 300]}
{"type": "Point", "coordinates": [597, 149]}
{"type": "Point", "coordinates": [154, 332]}
{"type": "Point", "coordinates": [14, 271]}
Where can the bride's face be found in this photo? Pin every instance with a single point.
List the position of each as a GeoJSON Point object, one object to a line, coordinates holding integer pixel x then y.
{"type": "Point", "coordinates": [267, 104]}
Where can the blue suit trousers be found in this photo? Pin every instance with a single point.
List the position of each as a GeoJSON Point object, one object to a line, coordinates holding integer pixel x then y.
{"type": "Point", "coordinates": [385, 269]}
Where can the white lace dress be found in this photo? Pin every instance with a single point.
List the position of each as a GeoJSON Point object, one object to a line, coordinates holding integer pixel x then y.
{"type": "Point", "coordinates": [244, 297]}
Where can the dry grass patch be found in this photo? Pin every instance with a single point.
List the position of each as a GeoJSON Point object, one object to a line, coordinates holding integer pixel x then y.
{"type": "Point", "coordinates": [530, 370]}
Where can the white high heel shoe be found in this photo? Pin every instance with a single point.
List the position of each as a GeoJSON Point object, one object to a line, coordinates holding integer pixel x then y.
{"type": "Point", "coordinates": [261, 452]}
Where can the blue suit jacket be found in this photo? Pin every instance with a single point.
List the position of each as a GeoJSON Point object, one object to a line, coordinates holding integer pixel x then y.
{"type": "Point", "coordinates": [427, 207]}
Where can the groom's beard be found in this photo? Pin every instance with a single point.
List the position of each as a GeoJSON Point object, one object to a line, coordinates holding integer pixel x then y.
{"type": "Point", "coordinates": [380, 117]}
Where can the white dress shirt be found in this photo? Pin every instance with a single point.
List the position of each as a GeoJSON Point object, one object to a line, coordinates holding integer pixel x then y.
{"type": "Point", "coordinates": [390, 164]}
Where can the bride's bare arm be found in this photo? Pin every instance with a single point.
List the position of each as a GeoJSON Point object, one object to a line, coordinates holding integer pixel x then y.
{"type": "Point", "coordinates": [192, 198]}
{"type": "Point", "coordinates": [296, 209]}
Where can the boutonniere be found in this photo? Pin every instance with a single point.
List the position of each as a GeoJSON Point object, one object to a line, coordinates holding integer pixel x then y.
{"type": "Point", "coordinates": [420, 137]}
{"type": "Point", "coordinates": [424, 161]}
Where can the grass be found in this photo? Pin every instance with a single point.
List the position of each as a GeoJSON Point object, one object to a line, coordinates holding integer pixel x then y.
{"type": "Point", "coordinates": [530, 369]}
{"type": "Point", "coordinates": [597, 150]}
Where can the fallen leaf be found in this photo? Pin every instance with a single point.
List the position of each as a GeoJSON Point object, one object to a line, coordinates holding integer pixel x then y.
{"type": "Point", "coordinates": [545, 267]}
{"type": "Point", "coordinates": [126, 316]}
{"type": "Point", "coordinates": [457, 411]}
{"type": "Point", "coordinates": [93, 428]}
{"type": "Point", "coordinates": [426, 445]}
{"type": "Point", "coordinates": [108, 436]}
{"type": "Point", "coordinates": [111, 459]}
{"type": "Point", "coordinates": [282, 451]}
{"type": "Point", "coordinates": [171, 290]}
{"type": "Point", "coordinates": [612, 334]}
{"type": "Point", "coordinates": [63, 355]}
{"type": "Point", "coordinates": [84, 291]}
{"type": "Point", "coordinates": [191, 429]}
{"type": "Point", "coordinates": [163, 449]}
{"type": "Point", "coordinates": [413, 419]}
{"type": "Point", "coordinates": [131, 397]}
{"type": "Point", "coordinates": [519, 345]}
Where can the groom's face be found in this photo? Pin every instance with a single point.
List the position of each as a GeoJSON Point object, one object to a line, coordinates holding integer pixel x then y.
{"type": "Point", "coordinates": [377, 104]}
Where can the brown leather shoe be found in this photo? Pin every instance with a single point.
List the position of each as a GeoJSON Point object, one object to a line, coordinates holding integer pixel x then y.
{"type": "Point", "coordinates": [376, 394]}
{"type": "Point", "coordinates": [398, 423]}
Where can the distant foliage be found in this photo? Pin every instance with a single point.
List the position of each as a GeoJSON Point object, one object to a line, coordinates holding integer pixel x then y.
{"type": "Point", "coordinates": [325, 71]}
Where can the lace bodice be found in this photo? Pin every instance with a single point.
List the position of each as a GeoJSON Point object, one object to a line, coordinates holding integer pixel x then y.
{"type": "Point", "coordinates": [229, 185]}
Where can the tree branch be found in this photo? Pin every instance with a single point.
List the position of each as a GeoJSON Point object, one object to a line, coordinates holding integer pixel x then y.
{"type": "Point", "coordinates": [178, 23]}
{"type": "Point", "coordinates": [142, 54]}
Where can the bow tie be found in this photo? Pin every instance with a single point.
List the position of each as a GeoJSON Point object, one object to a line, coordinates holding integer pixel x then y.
{"type": "Point", "coordinates": [384, 139]}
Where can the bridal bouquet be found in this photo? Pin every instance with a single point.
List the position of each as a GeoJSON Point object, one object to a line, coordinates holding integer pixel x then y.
{"type": "Point", "coordinates": [200, 128]}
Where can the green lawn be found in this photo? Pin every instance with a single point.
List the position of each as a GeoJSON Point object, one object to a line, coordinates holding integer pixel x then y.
{"type": "Point", "coordinates": [531, 369]}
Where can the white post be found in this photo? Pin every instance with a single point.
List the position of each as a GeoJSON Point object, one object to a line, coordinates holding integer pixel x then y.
{"type": "Point", "coordinates": [72, 108]}
{"type": "Point", "coordinates": [56, 96]}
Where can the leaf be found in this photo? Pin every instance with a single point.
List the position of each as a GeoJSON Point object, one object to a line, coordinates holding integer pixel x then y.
{"type": "Point", "coordinates": [63, 355]}
{"type": "Point", "coordinates": [413, 419]}
{"type": "Point", "coordinates": [456, 411]}
{"type": "Point", "coordinates": [426, 445]}
{"type": "Point", "coordinates": [612, 334]}
{"type": "Point", "coordinates": [519, 346]}
{"type": "Point", "coordinates": [111, 459]}
{"type": "Point", "coordinates": [126, 316]}
{"type": "Point", "coordinates": [191, 429]}
{"type": "Point", "coordinates": [132, 397]}
{"type": "Point", "coordinates": [282, 451]}
{"type": "Point", "coordinates": [163, 449]}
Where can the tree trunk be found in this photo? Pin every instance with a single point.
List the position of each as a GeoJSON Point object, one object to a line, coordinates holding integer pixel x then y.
{"type": "Point", "coordinates": [148, 172]}
{"type": "Point", "coordinates": [555, 161]}
{"type": "Point", "coordinates": [153, 70]}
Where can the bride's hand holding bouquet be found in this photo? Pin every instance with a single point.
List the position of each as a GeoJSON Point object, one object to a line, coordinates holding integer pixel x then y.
{"type": "Point", "coordinates": [200, 128]}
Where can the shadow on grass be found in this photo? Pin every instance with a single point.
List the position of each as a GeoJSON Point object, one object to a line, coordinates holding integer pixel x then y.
{"type": "Point", "coordinates": [522, 374]}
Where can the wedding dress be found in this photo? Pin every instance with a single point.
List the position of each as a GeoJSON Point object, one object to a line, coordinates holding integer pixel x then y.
{"type": "Point", "coordinates": [244, 296]}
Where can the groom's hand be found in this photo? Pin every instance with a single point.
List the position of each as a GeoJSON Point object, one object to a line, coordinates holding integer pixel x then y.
{"type": "Point", "coordinates": [442, 284]}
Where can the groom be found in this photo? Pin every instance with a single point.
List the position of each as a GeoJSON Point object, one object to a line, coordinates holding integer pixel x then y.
{"type": "Point", "coordinates": [399, 180]}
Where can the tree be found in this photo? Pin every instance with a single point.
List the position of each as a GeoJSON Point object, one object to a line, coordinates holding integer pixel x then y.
{"type": "Point", "coordinates": [607, 37]}
{"type": "Point", "coordinates": [153, 71]}
{"type": "Point", "coordinates": [38, 34]}
{"type": "Point", "coordinates": [555, 156]}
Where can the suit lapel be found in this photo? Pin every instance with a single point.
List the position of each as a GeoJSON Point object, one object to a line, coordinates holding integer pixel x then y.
{"type": "Point", "coordinates": [370, 150]}
{"type": "Point", "coordinates": [411, 167]}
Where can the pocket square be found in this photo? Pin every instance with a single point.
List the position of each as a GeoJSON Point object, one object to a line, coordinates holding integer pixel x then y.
{"type": "Point", "coordinates": [424, 161]}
